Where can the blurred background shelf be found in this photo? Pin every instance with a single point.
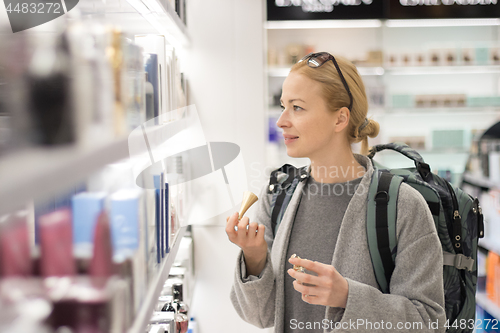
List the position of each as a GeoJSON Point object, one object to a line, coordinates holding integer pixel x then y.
{"type": "Point", "coordinates": [140, 17]}
{"type": "Point", "coordinates": [489, 245]}
{"type": "Point", "coordinates": [147, 308]}
{"type": "Point", "coordinates": [480, 181]}
{"type": "Point", "coordinates": [36, 173]}
{"type": "Point", "coordinates": [283, 71]}
{"type": "Point", "coordinates": [440, 70]}
{"type": "Point", "coordinates": [483, 301]}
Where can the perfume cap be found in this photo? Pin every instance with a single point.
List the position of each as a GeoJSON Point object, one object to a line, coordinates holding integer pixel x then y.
{"type": "Point", "coordinates": [248, 200]}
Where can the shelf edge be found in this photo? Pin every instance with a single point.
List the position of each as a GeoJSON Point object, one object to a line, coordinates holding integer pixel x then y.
{"type": "Point", "coordinates": [486, 304]}
{"type": "Point", "coordinates": [143, 316]}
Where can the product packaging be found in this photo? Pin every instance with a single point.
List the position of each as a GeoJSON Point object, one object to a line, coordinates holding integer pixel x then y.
{"type": "Point", "coordinates": [56, 246]}
{"type": "Point", "coordinates": [86, 209]}
{"type": "Point", "coordinates": [15, 251]}
{"type": "Point", "coordinates": [155, 44]}
{"type": "Point", "coordinates": [128, 238]}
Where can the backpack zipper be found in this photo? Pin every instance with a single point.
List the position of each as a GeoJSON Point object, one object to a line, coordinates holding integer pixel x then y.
{"type": "Point", "coordinates": [480, 222]}
{"type": "Point", "coordinates": [457, 220]}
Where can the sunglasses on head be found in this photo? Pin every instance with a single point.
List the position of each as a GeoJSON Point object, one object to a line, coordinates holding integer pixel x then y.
{"type": "Point", "coordinates": [315, 60]}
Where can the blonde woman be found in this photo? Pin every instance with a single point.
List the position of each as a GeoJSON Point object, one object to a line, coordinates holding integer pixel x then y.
{"type": "Point", "coordinates": [324, 111]}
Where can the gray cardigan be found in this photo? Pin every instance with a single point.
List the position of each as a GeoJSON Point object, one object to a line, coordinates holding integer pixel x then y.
{"type": "Point", "coordinates": [416, 288]}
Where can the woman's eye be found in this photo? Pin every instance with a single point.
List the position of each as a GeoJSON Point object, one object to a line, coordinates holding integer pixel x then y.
{"type": "Point", "coordinates": [282, 107]}
{"type": "Point", "coordinates": [297, 108]}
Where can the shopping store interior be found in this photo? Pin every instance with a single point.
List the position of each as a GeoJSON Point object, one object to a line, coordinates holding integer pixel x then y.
{"type": "Point", "coordinates": [132, 128]}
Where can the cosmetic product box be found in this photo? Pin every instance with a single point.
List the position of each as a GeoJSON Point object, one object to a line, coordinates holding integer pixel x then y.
{"type": "Point", "coordinates": [153, 256]}
{"type": "Point", "coordinates": [482, 56]}
{"type": "Point", "coordinates": [134, 96]}
{"type": "Point", "coordinates": [164, 319]}
{"type": "Point", "coordinates": [86, 208]}
{"type": "Point", "coordinates": [157, 70]}
{"type": "Point", "coordinates": [403, 101]}
{"type": "Point", "coordinates": [129, 241]}
{"type": "Point", "coordinates": [161, 222]}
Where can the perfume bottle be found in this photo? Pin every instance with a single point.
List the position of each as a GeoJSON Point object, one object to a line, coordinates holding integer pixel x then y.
{"type": "Point", "coordinates": [178, 299]}
{"type": "Point", "coordinates": [49, 95]}
{"type": "Point", "coordinates": [115, 56]}
{"type": "Point", "coordinates": [182, 319]}
{"type": "Point", "coordinates": [150, 98]}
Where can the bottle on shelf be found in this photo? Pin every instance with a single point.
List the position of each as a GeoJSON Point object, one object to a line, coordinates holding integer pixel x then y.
{"type": "Point", "coordinates": [179, 308]}
{"type": "Point", "coordinates": [182, 319]}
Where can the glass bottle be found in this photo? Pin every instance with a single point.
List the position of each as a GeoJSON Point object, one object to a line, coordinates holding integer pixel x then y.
{"type": "Point", "coordinates": [178, 298]}
{"type": "Point", "coordinates": [182, 309]}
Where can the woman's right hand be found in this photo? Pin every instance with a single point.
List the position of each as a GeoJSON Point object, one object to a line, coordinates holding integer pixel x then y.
{"type": "Point", "coordinates": [251, 241]}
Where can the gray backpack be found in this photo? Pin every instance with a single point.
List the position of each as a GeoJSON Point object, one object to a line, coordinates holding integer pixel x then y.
{"type": "Point", "coordinates": [457, 216]}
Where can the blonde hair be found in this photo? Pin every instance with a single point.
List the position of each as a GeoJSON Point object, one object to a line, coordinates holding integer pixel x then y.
{"type": "Point", "coordinates": [336, 96]}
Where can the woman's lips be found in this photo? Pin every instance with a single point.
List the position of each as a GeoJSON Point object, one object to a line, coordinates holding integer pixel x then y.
{"type": "Point", "coordinates": [290, 140]}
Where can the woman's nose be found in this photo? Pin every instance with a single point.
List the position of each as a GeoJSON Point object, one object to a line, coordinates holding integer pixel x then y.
{"type": "Point", "coordinates": [283, 120]}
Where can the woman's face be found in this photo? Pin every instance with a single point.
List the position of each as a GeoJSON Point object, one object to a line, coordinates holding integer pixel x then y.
{"type": "Point", "coordinates": [310, 129]}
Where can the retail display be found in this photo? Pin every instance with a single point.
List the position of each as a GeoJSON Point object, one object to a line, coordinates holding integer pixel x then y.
{"type": "Point", "coordinates": [480, 178]}
{"type": "Point", "coordinates": [431, 84]}
{"type": "Point", "coordinates": [89, 257]}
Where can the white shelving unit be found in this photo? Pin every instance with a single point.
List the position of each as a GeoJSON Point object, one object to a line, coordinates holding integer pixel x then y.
{"type": "Point", "coordinates": [353, 39]}
{"type": "Point", "coordinates": [490, 245]}
{"type": "Point", "coordinates": [151, 299]}
{"type": "Point", "coordinates": [490, 307]}
{"type": "Point", "coordinates": [480, 181]}
{"type": "Point", "coordinates": [440, 70]}
{"type": "Point", "coordinates": [37, 173]}
{"type": "Point", "coordinates": [365, 71]}
{"type": "Point", "coordinates": [41, 172]}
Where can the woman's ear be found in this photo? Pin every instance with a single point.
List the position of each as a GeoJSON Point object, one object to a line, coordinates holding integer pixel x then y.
{"type": "Point", "coordinates": [342, 119]}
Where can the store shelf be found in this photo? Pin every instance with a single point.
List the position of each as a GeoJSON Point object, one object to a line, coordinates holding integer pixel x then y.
{"type": "Point", "coordinates": [489, 245]}
{"type": "Point", "coordinates": [38, 173]}
{"type": "Point", "coordinates": [346, 24]}
{"type": "Point", "coordinates": [146, 310]}
{"type": "Point", "coordinates": [322, 24]}
{"type": "Point", "coordinates": [485, 303]}
{"type": "Point", "coordinates": [364, 71]}
{"type": "Point", "coordinates": [439, 70]}
{"type": "Point", "coordinates": [480, 181]}
{"type": "Point", "coordinates": [435, 110]}
{"type": "Point", "coordinates": [169, 22]}
{"type": "Point", "coordinates": [415, 23]}
{"type": "Point", "coordinates": [141, 17]}
{"type": "Point", "coordinates": [417, 70]}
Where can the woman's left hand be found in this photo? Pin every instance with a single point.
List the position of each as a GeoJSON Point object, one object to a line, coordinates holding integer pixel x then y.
{"type": "Point", "coordinates": [329, 288]}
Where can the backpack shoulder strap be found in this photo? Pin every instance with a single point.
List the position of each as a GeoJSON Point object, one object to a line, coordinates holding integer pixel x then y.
{"type": "Point", "coordinates": [282, 184]}
{"type": "Point", "coordinates": [381, 225]}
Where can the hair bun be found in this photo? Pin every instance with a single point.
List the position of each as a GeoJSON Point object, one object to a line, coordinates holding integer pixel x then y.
{"type": "Point", "coordinates": [369, 128]}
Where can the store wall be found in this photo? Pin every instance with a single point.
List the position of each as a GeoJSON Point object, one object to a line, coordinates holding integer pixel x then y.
{"type": "Point", "coordinates": [225, 69]}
